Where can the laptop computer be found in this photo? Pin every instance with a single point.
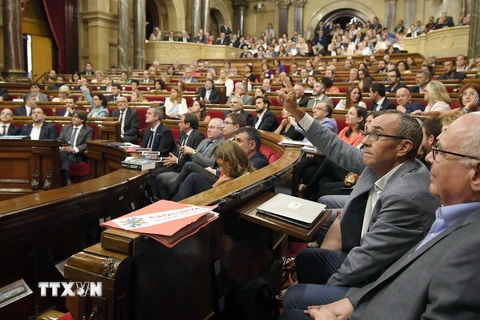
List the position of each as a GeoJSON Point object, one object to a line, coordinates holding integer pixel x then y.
{"type": "Point", "coordinates": [301, 212]}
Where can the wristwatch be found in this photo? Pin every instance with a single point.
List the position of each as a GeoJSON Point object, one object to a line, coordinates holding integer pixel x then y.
{"type": "Point", "coordinates": [465, 110]}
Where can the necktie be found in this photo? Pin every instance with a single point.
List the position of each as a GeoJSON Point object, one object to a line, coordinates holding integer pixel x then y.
{"type": "Point", "coordinates": [205, 147]}
{"type": "Point", "coordinates": [4, 133]}
{"type": "Point", "coordinates": [72, 137]}
{"type": "Point", "coordinates": [184, 143]}
{"type": "Point", "coordinates": [121, 122]}
{"type": "Point", "coordinates": [114, 98]}
{"type": "Point", "coordinates": [150, 139]}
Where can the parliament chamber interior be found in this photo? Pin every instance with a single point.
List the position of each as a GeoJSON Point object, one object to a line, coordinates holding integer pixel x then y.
{"type": "Point", "coordinates": [141, 143]}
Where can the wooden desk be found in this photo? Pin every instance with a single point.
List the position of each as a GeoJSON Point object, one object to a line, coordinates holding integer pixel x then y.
{"type": "Point", "coordinates": [143, 279]}
{"type": "Point", "coordinates": [249, 213]}
{"type": "Point", "coordinates": [27, 166]}
{"type": "Point", "coordinates": [39, 230]}
{"type": "Point", "coordinates": [104, 159]}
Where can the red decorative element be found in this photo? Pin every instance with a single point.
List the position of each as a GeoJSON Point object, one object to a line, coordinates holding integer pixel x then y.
{"type": "Point", "coordinates": [55, 10]}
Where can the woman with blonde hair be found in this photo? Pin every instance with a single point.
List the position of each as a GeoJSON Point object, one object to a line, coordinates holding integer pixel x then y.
{"type": "Point", "coordinates": [137, 96]}
{"type": "Point", "coordinates": [176, 105]}
{"type": "Point", "coordinates": [233, 163]}
{"type": "Point", "coordinates": [437, 97]}
{"type": "Point", "coordinates": [223, 79]}
{"type": "Point", "coordinates": [98, 77]}
{"type": "Point", "coordinates": [63, 93]}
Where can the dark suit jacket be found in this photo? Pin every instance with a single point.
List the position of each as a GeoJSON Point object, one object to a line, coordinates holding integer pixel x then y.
{"type": "Point", "coordinates": [259, 160]}
{"type": "Point", "coordinates": [111, 98]}
{"type": "Point", "coordinates": [268, 122]}
{"type": "Point", "coordinates": [410, 107]}
{"type": "Point", "coordinates": [13, 130]}
{"type": "Point", "coordinates": [389, 89]}
{"type": "Point", "coordinates": [196, 136]}
{"type": "Point", "coordinates": [21, 111]}
{"type": "Point", "coordinates": [456, 76]}
{"type": "Point", "coordinates": [4, 94]}
{"type": "Point", "coordinates": [246, 114]}
{"type": "Point", "coordinates": [131, 125]}
{"type": "Point", "coordinates": [226, 30]}
{"type": "Point", "coordinates": [181, 39]}
{"type": "Point", "coordinates": [402, 215]}
{"type": "Point", "coordinates": [303, 102]}
{"type": "Point", "coordinates": [168, 39]}
{"type": "Point", "coordinates": [162, 142]}
{"type": "Point", "coordinates": [437, 281]}
{"type": "Point", "coordinates": [61, 113]}
{"type": "Point", "coordinates": [214, 95]}
{"type": "Point", "coordinates": [226, 42]}
{"type": "Point", "coordinates": [85, 134]}
{"type": "Point", "coordinates": [48, 131]}
{"type": "Point", "coordinates": [414, 89]}
{"type": "Point", "coordinates": [386, 105]}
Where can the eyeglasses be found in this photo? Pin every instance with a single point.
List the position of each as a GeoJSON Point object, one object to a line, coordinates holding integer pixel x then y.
{"type": "Point", "coordinates": [373, 135]}
{"type": "Point", "coordinates": [436, 151]}
{"type": "Point", "coordinates": [6, 113]}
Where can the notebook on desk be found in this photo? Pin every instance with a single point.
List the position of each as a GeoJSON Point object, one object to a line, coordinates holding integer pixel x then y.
{"type": "Point", "coordinates": [301, 212]}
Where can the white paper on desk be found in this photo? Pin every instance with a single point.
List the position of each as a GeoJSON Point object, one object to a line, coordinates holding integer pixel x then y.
{"type": "Point", "coordinates": [288, 142]}
{"type": "Point", "coordinates": [309, 149]}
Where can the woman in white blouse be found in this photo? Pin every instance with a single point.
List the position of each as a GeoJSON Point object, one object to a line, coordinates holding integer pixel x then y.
{"type": "Point", "coordinates": [223, 79]}
{"type": "Point", "coordinates": [353, 98]}
{"type": "Point", "coordinates": [176, 105]}
{"type": "Point", "coordinates": [156, 35]}
{"type": "Point", "coordinates": [437, 97]}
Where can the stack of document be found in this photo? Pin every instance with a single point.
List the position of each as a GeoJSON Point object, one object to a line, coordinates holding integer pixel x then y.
{"type": "Point", "coordinates": [165, 221]}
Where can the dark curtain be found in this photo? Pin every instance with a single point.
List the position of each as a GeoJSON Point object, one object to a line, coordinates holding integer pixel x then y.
{"type": "Point", "coordinates": [55, 10]}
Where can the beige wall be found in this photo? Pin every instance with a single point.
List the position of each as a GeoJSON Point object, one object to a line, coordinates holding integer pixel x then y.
{"type": "Point", "coordinates": [98, 20]}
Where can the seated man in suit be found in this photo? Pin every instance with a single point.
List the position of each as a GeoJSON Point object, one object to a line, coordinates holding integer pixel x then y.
{"type": "Point", "coordinates": [318, 94]}
{"type": "Point", "coordinates": [450, 73]}
{"type": "Point", "coordinates": [184, 37]}
{"type": "Point", "coordinates": [393, 78]}
{"type": "Point", "coordinates": [223, 40]}
{"type": "Point", "coordinates": [74, 138]}
{"type": "Point", "coordinates": [379, 101]}
{"type": "Point", "coordinates": [208, 93]}
{"type": "Point", "coordinates": [146, 77]}
{"type": "Point", "coordinates": [30, 100]}
{"type": "Point", "coordinates": [116, 93]}
{"type": "Point", "coordinates": [70, 106]}
{"type": "Point", "coordinates": [231, 124]}
{"type": "Point", "coordinates": [6, 127]}
{"type": "Point", "coordinates": [422, 78]}
{"type": "Point", "coordinates": [302, 101]}
{"type": "Point", "coordinates": [129, 121]}
{"type": "Point", "coordinates": [158, 137]}
{"type": "Point", "coordinates": [188, 78]}
{"type": "Point", "coordinates": [170, 37]}
{"type": "Point", "coordinates": [440, 271]}
{"type": "Point", "coordinates": [35, 89]}
{"type": "Point", "coordinates": [201, 157]}
{"type": "Point", "coordinates": [236, 106]}
{"type": "Point", "coordinates": [191, 137]}
{"type": "Point", "coordinates": [39, 129]}
{"type": "Point", "coordinates": [322, 112]}
{"type": "Point", "coordinates": [389, 210]}
{"type": "Point", "coordinates": [240, 93]}
{"type": "Point", "coordinates": [250, 140]}
{"type": "Point", "coordinates": [265, 119]}
{"type": "Point", "coordinates": [404, 103]}
{"type": "Point", "coordinates": [88, 70]}
{"type": "Point", "coordinates": [58, 83]}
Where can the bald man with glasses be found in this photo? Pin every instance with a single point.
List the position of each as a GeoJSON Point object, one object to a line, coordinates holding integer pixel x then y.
{"type": "Point", "coordinates": [6, 127]}
{"type": "Point", "coordinates": [129, 121]}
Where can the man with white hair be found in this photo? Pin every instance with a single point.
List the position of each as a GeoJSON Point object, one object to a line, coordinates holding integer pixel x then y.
{"type": "Point", "coordinates": [302, 101]}
{"type": "Point", "coordinates": [240, 93]}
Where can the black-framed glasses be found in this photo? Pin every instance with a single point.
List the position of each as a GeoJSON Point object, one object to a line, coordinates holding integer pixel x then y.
{"type": "Point", "coordinates": [436, 151]}
{"type": "Point", "coordinates": [373, 135]}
